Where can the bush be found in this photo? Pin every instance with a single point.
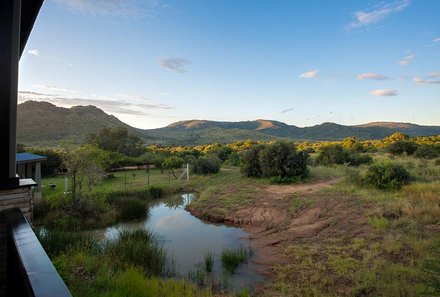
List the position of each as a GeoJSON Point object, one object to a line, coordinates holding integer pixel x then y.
{"type": "Point", "coordinates": [437, 162]}
{"type": "Point", "coordinates": [332, 154]}
{"type": "Point", "coordinates": [278, 161]}
{"type": "Point", "coordinates": [250, 163]}
{"type": "Point", "coordinates": [206, 165]}
{"type": "Point", "coordinates": [358, 159]}
{"type": "Point", "coordinates": [233, 160]}
{"type": "Point", "coordinates": [427, 152]}
{"type": "Point", "coordinates": [402, 146]}
{"type": "Point", "coordinates": [387, 176]}
{"type": "Point", "coordinates": [53, 165]}
{"type": "Point", "coordinates": [281, 161]}
{"type": "Point", "coordinates": [132, 209]}
{"type": "Point", "coordinates": [155, 192]}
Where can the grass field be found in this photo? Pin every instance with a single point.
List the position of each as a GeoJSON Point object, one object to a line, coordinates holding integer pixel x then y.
{"type": "Point", "coordinates": [329, 235]}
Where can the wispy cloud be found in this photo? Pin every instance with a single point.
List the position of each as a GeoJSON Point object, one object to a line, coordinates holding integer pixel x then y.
{"type": "Point", "coordinates": [33, 52]}
{"type": "Point", "coordinates": [437, 39]}
{"type": "Point", "coordinates": [310, 74]}
{"type": "Point", "coordinates": [434, 74]}
{"type": "Point", "coordinates": [127, 8]}
{"type": "Point", "coordinates": [422, 81]}
{"type": "Point", "coordinates": [406, 60]}
{"type": "Point", "coordinates": [384, 93]}
{"type": "Point", "coordinates": [175, 64]}
{"type": "Point", "coordinates": [373, 15]}
{"type": "Point", "coordinates": [370, 75]}
{"type": "Point", "coordinates": [108, 105]}
{"type": "Point", "coordinates": [287, 110]}
{"type": "Point", "coordinates": [54, 88]}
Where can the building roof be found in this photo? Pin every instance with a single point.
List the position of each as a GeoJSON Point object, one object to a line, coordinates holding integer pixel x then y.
{"type": "Point", "coordinates": [29, 13]}
{"type": "Point", "coordinates": [23, 158]}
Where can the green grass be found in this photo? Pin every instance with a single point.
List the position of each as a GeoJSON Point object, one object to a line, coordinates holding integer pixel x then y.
{"type": "Point", "coordinates": [297, 204]}
{"type": "Point", "coordinates": [209, 261]}
{"type": "Point", "coordinates": [231, 258]}
{"type": "Point", "coordinates": [140, 248]}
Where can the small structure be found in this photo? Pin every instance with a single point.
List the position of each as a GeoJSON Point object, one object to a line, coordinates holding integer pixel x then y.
{"type": "Point", "coordinates": [29, 166]}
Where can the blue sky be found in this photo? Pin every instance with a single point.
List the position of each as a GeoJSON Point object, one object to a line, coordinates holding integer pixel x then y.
{"type": "Point", "coordinates": [154, 62]}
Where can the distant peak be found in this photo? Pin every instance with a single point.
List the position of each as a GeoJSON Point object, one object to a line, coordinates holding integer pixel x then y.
{"type": "Point", "coordinates": [266, 124]}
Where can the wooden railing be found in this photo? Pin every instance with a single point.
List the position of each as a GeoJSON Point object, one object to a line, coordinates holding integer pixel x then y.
{"type": "Point", "coordinates": [29, 271]}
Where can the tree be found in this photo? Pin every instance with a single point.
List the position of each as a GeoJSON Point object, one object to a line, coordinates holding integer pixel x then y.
{"type": "Point", "coordinates": [54, 163]}
{"type": "Point", "coordinates": [172, 163]}
{"type": "Point", "coordinates": [117, 139]}
{"type": "Point", "coordinates": [85, 162]}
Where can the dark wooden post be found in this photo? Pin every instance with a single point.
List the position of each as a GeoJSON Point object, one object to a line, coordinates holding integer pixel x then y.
{"type": "Point", "coordinates": [10, 11]}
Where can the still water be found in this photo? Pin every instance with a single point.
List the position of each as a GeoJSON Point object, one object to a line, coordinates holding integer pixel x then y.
{"type": "Point", "coordinates": [187, 239]}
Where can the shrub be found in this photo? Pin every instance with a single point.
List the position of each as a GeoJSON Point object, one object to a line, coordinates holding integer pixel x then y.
{"type": "Point", "coordinates": [279, 161]}
{"type": "Point", "coordinates": [250, 163]}
{"type": "Point", "coordinates": [332, 154]}
{"type": "Point", "coordinates": [233, 160]}
{"type": "Point", "coordinates": [402, 146]}
{"type": "Point", "coordinates": [206, 165]}
{"type": "Point", "coordinates": [282, 162]}
{"type": "Point", "coordinates": [132, 209]}
{"type": "Point", "coordinates": [155, 192]}
{"type": "Point", "coordinates": [427, 152]}
{"type": "Point", "coordinates": [358, 159]}
{"type": "Point", "coordinates": [387, 176]}
{"type": "Point", "coordinates": [437, 162]}
{"type": "Point", "coordinates": [53, 165]}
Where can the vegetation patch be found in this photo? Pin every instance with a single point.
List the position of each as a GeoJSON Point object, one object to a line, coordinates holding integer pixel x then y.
{"type": "Point", "coordinates": [231, 258]}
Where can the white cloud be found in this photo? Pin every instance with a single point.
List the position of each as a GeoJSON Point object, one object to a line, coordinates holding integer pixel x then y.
{"type": "Point", "coordinates": [33, 52]}
{"type": "Point", "coordinates": [309, 74]}
{"type": "Point", "coordinates": [127, 8]}
{"type": "Point", "coordinates": [175, 64]}
{"type": "Point", "coordinates": [437, 39]}
{"type": "Point", "coordinates": [406, 60]}
{"type": "Point", "coordinates": [384, 93]}
{"type": "Point", "coordinates": [370, 75]}
{"type": "Point", "coordinates": [421, 81]}
{"type": "Point", "coordinates": [367, 17]}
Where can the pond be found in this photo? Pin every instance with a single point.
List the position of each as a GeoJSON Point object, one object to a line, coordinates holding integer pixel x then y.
{"type": "Point", "coordinates": [188, 239]}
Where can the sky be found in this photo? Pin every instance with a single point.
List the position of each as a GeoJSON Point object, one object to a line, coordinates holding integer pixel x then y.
{"type": "Point", "coordinates": [154, 62]}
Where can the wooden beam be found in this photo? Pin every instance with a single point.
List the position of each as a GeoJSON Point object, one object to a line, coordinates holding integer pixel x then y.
{"type": "Point", "coordinates": [10, 18]}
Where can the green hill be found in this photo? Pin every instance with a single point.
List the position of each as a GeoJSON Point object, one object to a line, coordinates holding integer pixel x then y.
{"type": "Point", "coordinates": [42, 123]}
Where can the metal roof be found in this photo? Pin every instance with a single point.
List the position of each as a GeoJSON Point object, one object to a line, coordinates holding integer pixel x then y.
{"type": "Point", "coordinates": [29, 158]}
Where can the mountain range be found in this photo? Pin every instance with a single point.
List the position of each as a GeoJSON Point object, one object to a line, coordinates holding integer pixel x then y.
{"type": "Point", "coordinates": [43, 124]}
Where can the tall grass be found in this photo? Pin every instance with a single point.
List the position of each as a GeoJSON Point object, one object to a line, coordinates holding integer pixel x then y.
{"type": "Point", "coordinates": [55, 242]}
{"type": "Point", "coordinates": [140, 248]}
{"type": "Point", "coordinates": [209, 261]}
{"type": "Point", "coordinates": [231, 258]}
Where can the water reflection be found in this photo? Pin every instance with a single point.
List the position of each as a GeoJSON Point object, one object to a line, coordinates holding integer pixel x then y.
{"type": "Point", "coordinates": [187, 239]}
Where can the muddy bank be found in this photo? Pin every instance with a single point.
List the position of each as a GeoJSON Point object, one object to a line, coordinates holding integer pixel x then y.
{"type": "Point", "coordinates": [282, 215]}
